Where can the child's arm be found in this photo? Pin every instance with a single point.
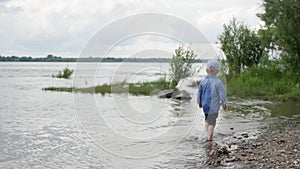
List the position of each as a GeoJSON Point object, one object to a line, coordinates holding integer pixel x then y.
{"type": "Point", "coordinates": [222, 95]}
{"type": "Point", "coordinates": [199, 96]}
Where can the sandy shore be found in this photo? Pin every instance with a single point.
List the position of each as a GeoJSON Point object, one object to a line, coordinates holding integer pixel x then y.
{"type": "Point", "coordinates": [277, 146]}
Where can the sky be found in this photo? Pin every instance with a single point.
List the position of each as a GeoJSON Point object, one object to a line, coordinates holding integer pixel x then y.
{"type": "Point", "coordinates": [64, 28]}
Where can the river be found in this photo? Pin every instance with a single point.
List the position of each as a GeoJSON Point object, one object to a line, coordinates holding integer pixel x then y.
{"type": "Point", "coordinates": [42, 129]}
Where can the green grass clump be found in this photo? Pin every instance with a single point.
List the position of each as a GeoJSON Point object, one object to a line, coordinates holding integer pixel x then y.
{"type": "Point", "coordinates": [59, 89]}
{"type": "Point", "coordinates": [142, 88]}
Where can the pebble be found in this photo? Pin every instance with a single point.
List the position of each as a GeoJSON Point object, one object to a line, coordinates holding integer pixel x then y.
{"type": "Point", "coordinates": [245, 135]}
{"type": "Point", "coordinates": [274, 148]}
{"type": "Point", "coordinates": [251, 159]}
{"type": "Point", "coordinates": [232, 159]}
{"type": "Point", "coordinates": [282, 151]}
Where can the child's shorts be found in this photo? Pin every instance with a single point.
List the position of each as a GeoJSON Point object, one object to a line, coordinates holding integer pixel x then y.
{"type": "Point", "coordinates": [211, 118]}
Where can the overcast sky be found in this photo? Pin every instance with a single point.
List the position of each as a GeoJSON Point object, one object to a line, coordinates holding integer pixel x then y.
{"type": "Point", "coordinates": [64, 27]}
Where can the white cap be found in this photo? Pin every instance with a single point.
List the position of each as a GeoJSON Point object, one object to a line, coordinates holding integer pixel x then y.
{"type": "Point", "coordinates": [214, 63]}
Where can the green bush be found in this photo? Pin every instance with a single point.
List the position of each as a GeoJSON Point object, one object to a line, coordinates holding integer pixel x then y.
{"type": "Point", "coordinates": [66, 73]}
{"type": "Point", "coordinates": [181, 64]}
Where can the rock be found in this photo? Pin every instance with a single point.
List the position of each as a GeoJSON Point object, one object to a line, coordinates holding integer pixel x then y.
{"type": "Point", "coordinates": [251, 159]}
{"type": "Point", "coordinates": [165, 93]}
{"type": "Point", "coordinates": [249, 151]}
{"type": "Point", "coordinates": [232, 159]}
{"type": "Point", "coordinates": [223, 150]}
{"type": "Point", "coordinates": [282, 151]}
{"type": "Point", "coordinates": [281, 141]}
{"type": "Point", "coordinates": [245, 135]}
{"type": "Point", "coordinates": [229, 144]}
{"type": "Point", "coordinates": [254, 145]}
{"type": "Point", "coordinates": [181, 95]}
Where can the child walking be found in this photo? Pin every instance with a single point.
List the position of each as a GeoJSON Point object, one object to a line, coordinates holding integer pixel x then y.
{"type": "Point", "coordinates": [211, 95]}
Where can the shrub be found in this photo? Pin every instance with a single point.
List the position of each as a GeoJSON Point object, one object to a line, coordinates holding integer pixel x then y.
{"type": "Point", "coordinates": [181, 64]}
{"type": "Point", "coordinates": [268, 81]}
{"type": "Point", "coordinates": [66, 73]}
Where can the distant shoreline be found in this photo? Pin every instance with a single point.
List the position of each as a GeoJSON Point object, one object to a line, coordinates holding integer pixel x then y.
{"type": "Point", "coordinates": [51, 58]}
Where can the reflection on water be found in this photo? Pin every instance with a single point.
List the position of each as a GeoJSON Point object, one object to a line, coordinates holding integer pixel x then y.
{"type": "Point", "coordinates": [288, 109]}
{"type": "Point", "coordinates": [40, 129]}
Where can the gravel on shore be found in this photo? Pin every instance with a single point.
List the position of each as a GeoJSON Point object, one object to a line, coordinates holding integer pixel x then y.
{"type": "Point", "coordinates": [277, 146]}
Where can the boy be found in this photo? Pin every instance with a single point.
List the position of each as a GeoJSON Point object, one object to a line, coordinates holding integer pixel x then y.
{"type": "Point", "coordinates": [211, 94]}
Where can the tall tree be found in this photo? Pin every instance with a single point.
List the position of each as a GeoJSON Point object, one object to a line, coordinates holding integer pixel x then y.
{"type": "Point", "coordinates": [241, 46]}
{"type": "Point", "coordinates": [282, 18]}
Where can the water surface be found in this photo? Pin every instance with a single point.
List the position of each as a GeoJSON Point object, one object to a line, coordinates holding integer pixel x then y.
{"type": "Point", "coordinates": [42, 129]}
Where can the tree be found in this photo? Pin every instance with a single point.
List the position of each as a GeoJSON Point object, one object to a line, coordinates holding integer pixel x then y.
{"type": "Point", "coordinates": [181, 64]}
{"type": "Point", "coordinates": [50, 56]}
{"type": "Point", "coordinates": [241, 46]}
{"type": "Point", "coordinates": [282, 19]}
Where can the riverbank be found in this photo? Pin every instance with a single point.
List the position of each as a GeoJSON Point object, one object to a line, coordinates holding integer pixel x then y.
{"type": "Point", "coordinates": [277, 146]}
{"type": "Point", "coordinates": [266, 82]}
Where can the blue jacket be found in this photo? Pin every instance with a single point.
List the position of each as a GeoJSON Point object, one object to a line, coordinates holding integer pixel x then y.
{"type": "Point", "coordinates": [211, 94]}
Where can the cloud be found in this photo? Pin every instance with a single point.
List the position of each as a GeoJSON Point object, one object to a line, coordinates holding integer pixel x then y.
{"type": "Point", "coordinates": [37, 28]}
{"type": "Point", "coordinates": [211, 21]}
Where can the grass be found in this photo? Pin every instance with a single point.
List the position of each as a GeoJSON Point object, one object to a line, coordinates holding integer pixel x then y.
{"type": "Point", "coordinates": [268, 82]}
{"type": "Point", "coordinates": [142, 88]}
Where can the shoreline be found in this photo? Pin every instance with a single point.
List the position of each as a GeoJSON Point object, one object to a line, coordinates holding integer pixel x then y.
{"type": "Point", "coordinates": [275, 147]}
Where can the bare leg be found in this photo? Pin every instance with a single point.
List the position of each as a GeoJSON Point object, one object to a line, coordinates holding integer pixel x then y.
{"type": "Point", "coordinates": [210, 132]}
{"type": "Point", "coordinates": [206, 126]}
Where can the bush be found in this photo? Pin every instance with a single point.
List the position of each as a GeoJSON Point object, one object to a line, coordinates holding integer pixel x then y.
{"type": "Point", "coordinates": [66, 73]}
{"type": "Point", "coordinates": [268, 81]}
{"type": "Point", "coordinates": [181, 64]}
